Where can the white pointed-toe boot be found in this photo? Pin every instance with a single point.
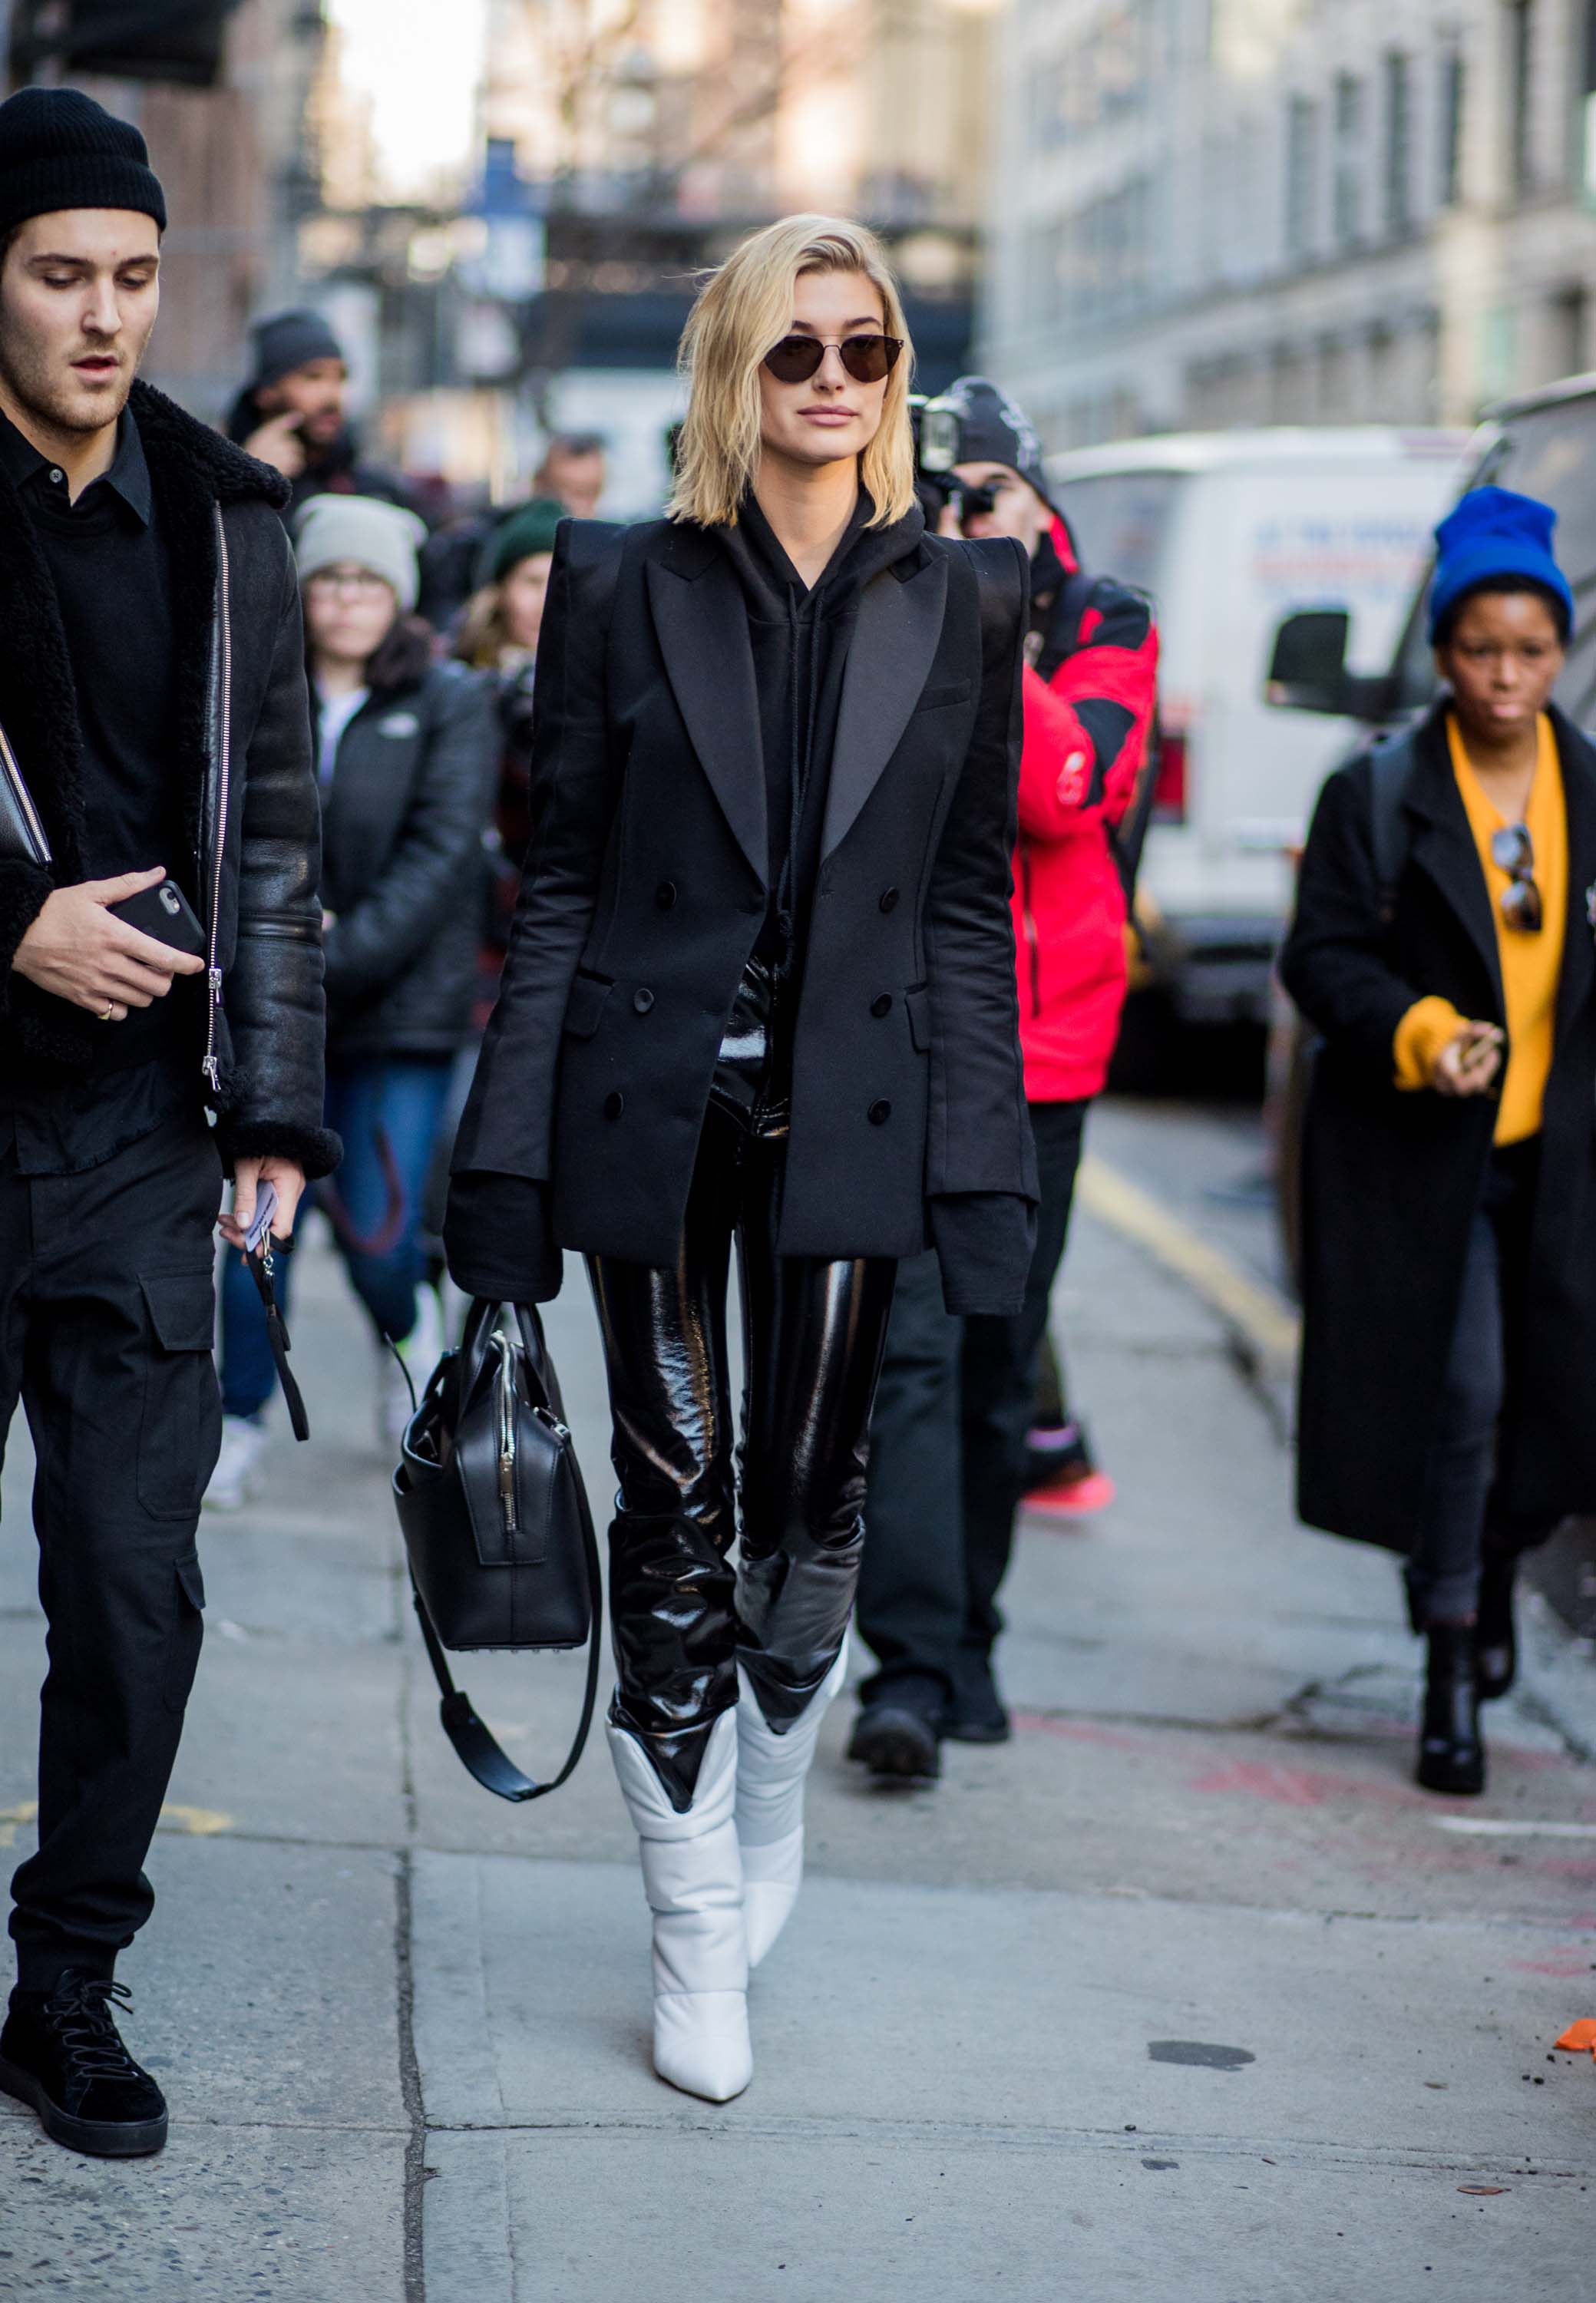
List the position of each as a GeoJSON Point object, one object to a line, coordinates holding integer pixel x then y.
{"type": "Point", "coordinates": [771, 1774]}
{"type": "Point", "coordinates": [693, 1880]}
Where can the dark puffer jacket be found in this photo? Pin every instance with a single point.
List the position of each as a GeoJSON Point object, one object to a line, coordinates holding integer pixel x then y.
{"type": "Point", "coordinates": [404, 869]}
{"type": "Point", "coordinates": [249, 790]}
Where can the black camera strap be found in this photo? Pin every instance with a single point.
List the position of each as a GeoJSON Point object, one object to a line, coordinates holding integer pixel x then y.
{"type": "Point", "coordinates": [261, 1267]}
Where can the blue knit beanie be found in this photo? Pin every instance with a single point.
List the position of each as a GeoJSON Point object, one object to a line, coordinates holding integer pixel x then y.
{"type": "Point", "coordinates": [1492, 532]}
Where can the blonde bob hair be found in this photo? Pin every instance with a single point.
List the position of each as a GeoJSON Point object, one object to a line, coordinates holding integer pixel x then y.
{"type": "Point", "coordinates": [742, 310]}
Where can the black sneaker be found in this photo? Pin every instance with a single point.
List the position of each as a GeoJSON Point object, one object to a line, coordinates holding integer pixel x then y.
{"type": "Point", "coordinates": [976, 1713]}
{"type": "Point", "coordinates": [62, 2054]}
{"type": "Point", "coordinates": [897, 1731]}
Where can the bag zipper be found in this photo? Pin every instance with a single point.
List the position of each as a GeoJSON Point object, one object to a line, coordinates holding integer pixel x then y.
{"type": "Point", "coordinates": [505, 1392]}
{"type": "Point", "coordinates": [211, 1064]}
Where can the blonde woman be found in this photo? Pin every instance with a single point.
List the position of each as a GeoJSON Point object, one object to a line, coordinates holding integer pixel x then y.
{"type": "Point", "coordinates": [760, 995]}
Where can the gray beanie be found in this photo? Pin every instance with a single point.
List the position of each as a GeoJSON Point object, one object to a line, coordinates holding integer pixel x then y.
{"type": "Point", "coordinates": [381, 536]}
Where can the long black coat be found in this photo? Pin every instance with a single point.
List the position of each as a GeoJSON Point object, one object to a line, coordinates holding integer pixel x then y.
{"type": "Point", "coordinates": [647, 888]}
{"type": "Point", "coordinates": [404, 871]}
{"type": "Point", "coordinates": [1391, 1179]}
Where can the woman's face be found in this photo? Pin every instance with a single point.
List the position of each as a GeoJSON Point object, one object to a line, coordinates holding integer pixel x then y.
{"type": "Point", "coordinates": [831, 415]}
{"type": "Point", "coordinates": [520, 601]}
{"type": "Point", "coordinates": [1501, 662]}
{"type": "Point", "coordinates": [349, 612]}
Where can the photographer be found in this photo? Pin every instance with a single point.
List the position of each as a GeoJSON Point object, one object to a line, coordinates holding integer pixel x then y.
{"type": "Point", "coordinates": [948, 1441]}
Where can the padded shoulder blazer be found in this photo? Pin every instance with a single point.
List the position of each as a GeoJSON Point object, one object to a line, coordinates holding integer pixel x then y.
{"type": "Point", "coordinates": [646, 889]}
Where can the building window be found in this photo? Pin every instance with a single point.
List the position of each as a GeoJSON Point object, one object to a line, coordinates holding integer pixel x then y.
{"type": "Point", "coordinates": [1348, 187]}
{"type": "Point", "coordinates": [1448, 186]}
{"type": "Point", "coordinates": [1585, 131]}
{"type": "Point", "coordinates": [1302, 148]}
{"type": "Point", "coordinates": [1521, 51]}
{"type": "Point", "coordinates": [1398, 145]}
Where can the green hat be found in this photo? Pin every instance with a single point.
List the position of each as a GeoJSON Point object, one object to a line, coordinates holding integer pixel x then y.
{"type": "Point", "coordinates": [530, 527]}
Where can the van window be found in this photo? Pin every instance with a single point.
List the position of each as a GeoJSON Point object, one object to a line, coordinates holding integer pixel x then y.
{"type": "Point", "coordinates": [1121, 521]}
{"type": "Point", "coordinates": [1549, 452]}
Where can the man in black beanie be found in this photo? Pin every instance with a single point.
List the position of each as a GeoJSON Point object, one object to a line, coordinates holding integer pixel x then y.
{"type": "Point", "coordinates": [152, 688]}
{"type": "Point", "coordinates": [292, 414]}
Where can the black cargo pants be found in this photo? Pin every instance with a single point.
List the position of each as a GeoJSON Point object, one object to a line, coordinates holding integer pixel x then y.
{"type": "Point", "coordinates": [106, 1312]}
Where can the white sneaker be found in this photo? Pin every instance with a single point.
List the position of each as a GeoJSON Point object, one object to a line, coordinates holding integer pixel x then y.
{"type": "Point", "coordinates": [232, 1482]}
{"type": "Point", "coordinates": [420, 1351]}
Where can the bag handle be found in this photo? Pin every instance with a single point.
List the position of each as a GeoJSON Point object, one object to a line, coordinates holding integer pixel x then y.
{"type": "Point", "coordinates": [475, 1746]}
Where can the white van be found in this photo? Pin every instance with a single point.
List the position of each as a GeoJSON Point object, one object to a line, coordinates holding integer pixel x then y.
{"type": "Point", "coordinates": [1231, 532]}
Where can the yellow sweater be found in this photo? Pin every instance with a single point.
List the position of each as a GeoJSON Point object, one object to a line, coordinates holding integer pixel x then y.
{"type": "Point", "coordinates": [1531, 965]}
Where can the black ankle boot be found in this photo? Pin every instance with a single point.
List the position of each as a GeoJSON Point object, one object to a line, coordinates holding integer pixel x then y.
{"type": "Point", "coordinates": [1496, 1640]}
{"type": "Point", "coordinates": [1451, 1755]}
{"type": "Point", "coordinates": [62, 2054]}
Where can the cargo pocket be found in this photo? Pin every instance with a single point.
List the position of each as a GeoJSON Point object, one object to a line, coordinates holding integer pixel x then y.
{"type": "Point", "coordinates": [187, 1629]}
{"type": "Point", "coordinates": [182, 1427]}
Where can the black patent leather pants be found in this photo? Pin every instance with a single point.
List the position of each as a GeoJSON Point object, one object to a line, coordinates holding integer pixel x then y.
{"type": "Point", "coordinates": [812, 1337]}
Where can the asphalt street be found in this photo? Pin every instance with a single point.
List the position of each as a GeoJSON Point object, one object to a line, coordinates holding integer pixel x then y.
{"type": "Point", "coordinates": [1186, 1996]}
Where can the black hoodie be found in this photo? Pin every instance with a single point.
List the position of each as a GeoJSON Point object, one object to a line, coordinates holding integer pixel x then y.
{"type": "Point", "coordinates": [800, 636]}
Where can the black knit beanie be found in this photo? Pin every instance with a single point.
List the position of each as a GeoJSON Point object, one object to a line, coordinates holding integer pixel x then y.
{"type": "Point", "coordinates": [61, 150]}
{"type": "Point", "coordinates": [286, 340]}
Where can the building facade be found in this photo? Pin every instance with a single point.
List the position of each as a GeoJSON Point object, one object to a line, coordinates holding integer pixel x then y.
{"type": "Point", "coordinates": [1207, 213]}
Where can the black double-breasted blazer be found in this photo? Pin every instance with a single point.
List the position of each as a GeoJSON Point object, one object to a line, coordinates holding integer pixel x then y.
{"type": "Point", "coordinates": [1391, 1180]}
{"type": "Point", "coordinates": [647, 885]}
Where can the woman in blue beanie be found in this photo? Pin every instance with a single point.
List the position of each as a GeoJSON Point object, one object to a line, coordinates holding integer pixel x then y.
{"type": "Point", "coordinates": [1449, 1154]}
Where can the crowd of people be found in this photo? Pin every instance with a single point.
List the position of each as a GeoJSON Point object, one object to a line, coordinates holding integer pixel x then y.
{"type": "Point", "coordinates": [748, 882]}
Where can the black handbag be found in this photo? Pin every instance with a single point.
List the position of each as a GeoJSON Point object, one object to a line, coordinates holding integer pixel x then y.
{"type": "Point", "coordinates": [493, 1512]}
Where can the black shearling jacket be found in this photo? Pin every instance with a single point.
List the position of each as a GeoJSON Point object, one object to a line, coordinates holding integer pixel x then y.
{"type": "Point", "coordinates": [249, 799]}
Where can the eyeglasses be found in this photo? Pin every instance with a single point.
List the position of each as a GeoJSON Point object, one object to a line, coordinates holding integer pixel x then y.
{"type": "Point", "coordinates": [1513, 851]}
{"type": "Point", "coordinates": [350, 582]}
{"type": "Point", "coordinates": [868, 360]}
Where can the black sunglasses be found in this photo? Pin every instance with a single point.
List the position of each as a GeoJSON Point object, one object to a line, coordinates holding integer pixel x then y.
{"type": "Point", "coordinates": [1513, 851]}
{"type": "Point", "coordinates": [868, 360]}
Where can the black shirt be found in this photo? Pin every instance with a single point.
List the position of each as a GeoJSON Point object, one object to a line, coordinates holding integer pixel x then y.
{"type": "Point", "coordinates": [111, 573]}
{"type": "Point", "coordinates": [799, 635]}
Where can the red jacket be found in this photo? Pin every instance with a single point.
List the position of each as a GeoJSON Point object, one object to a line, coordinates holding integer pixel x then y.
{"type": "Point", "coordinates": [1086, 739]}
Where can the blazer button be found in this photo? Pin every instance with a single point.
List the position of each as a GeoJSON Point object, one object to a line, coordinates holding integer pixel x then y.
{"type": "Point", "coordinates": [643, 1001]}
{"type": "Point", "coordinates": [665, 895]}
{"type": "Point", "coordinates": [881, 1004]}
{"type": "Point", "coordinates": [880, 1112]}
{"type": "Point", "coordinates": [889, 899]}
{"type": "Point", "coordinates": [614, 1104]}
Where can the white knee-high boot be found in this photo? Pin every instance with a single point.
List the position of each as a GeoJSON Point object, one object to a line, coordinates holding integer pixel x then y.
{"type": "Point", "coordinates": [694, 1883]}
{"type": "Point", "coordinates": [770, 1773]}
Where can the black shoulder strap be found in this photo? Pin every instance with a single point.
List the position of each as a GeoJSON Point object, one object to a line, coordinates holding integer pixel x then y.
{"type": "Point", "coordinates": [1390, 766]}
{"type": "Point", "coordinates": [1070, 604]}
{"type": "Point", "coordinates": [473, 1743]}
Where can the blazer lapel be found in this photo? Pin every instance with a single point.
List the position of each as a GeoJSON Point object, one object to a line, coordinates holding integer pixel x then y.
{"type": "Point", "coordinates": [894, 640]}
{"type": "Point", "coordinates": [702, 628]}
{"type": "Point", "coordinates": [1579, 942]}
{"type": "Point", "coordinates": [1445, 847]}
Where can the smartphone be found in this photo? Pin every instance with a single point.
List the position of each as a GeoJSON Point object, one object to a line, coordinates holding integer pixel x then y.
{"type": "Point", "coordinates": [166, 914]}
{"type": "Point", "coordinates": [266, 1207]}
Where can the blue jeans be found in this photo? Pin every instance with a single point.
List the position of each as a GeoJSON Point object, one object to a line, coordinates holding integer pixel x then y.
{"type": "Point", "coordinates": [387, 1112]}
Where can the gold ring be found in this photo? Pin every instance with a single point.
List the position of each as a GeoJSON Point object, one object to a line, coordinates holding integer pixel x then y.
{"type": "Point", "coordinates": [107, 1011]}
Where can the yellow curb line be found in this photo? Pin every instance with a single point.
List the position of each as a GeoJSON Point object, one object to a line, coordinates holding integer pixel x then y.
{"type": "Point", "coordinates": [1262, 1317]}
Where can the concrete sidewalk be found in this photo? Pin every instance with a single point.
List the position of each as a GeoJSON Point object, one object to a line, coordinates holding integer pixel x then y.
{"type": "Point", "coordinates": [1186, 1994]}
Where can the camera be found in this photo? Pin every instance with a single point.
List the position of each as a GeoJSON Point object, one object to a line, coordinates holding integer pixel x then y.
{"type": "Point", "coordinates": [935, 426]}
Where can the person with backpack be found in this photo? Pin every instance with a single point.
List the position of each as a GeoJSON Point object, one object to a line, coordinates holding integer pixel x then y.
{"type": "Point", "coordinates": [954, 1406]}
{"type": "Point", "coordinates": [1443, 947]}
